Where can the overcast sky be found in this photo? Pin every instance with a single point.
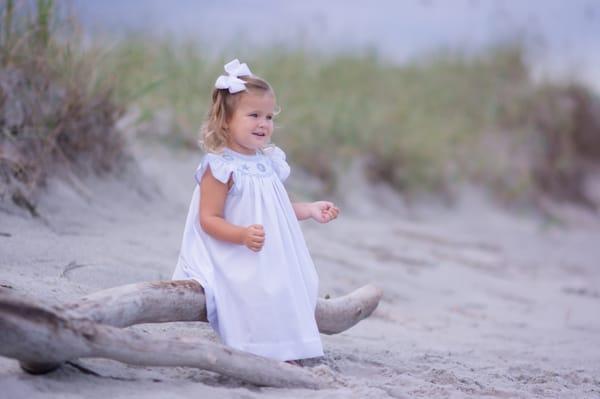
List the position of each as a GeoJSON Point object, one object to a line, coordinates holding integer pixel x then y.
{"type": "Point", "coordinates": [566, 32]}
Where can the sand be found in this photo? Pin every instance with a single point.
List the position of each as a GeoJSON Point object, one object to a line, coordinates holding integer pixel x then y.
{"type": "Point", "coordinates": [478, 302]}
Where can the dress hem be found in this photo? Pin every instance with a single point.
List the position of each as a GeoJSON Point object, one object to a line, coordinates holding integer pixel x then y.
{"type": "Point", "coordinates": [283, 350]}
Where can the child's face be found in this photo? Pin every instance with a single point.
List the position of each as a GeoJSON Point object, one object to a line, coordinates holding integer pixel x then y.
{"type": "Point", "coordinates": [251, 125]}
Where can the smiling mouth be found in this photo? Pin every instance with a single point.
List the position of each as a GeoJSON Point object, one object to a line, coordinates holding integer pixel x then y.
{"type": "Point", "coordinates": [259, 134]}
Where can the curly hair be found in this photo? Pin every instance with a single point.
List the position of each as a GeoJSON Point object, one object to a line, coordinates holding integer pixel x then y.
{"type": "Point", "coordinates": [213, 133]}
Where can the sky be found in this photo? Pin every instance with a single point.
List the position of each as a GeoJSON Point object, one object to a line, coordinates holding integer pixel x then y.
{"type": "Point", "coordinates": [565, 34]}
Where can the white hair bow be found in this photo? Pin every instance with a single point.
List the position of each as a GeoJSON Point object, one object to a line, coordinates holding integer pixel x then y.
{"type": "Point", "coordinates": [231, 80]}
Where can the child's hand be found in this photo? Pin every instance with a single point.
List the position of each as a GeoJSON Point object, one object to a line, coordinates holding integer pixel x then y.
{"type": "Point", "coordinates": [254, 237]}
{"type": "Point", "coordinates": [323, 211]}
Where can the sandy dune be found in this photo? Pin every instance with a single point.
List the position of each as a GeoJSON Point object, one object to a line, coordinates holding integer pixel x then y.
{"type": "Point", "coordinates": [477, 303]}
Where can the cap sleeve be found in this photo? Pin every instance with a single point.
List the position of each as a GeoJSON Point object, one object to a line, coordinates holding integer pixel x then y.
{"type": "Point", "coordinates": [277, 157]}
{"type": "Point", "coordinates": [220, 167]}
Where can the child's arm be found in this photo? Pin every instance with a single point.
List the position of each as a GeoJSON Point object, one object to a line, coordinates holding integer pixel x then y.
{"type": "Point", "coordinates": [213, 194]}
{"type": "Point", "coordinates": [321, 211]}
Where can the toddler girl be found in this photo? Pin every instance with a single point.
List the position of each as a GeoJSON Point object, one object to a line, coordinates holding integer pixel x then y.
{"type": "Point", "coordinates": [242, 240]}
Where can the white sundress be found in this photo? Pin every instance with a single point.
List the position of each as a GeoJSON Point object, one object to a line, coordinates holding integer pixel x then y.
{"type": "Point", "coordinates": [259, 302]}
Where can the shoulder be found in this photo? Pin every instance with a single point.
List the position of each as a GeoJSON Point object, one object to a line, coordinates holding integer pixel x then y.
{"type": "Point", "coordinates": [278, 160]}
{"type": "Point", "coordinates": [221, 166]}
{"type": "Point", "coordinates": [274, 152]}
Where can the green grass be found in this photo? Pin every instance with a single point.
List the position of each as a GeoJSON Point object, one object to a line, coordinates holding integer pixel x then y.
{"type": "Point", "coordinates": [422, 126]}
{"type": "Point", "coordinates": [419, 124]}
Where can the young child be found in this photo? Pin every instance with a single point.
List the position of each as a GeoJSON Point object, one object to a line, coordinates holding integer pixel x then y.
{"type": "Point", "coordinates": [242, 240]}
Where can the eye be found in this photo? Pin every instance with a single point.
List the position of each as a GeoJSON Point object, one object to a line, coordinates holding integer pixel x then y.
{"type": "Point", "coordinates": [270, 117]}
{"type": "Point", "coordinates": [254, 115]}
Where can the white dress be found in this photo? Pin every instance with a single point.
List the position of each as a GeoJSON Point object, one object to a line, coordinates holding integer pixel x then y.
{"type": "Point", "coordinates": [259, 302]}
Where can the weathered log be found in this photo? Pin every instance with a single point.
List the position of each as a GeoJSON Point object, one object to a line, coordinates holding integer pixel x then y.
{"type": "Point", "coordinates": [336, 315]}
{"type": "Point", "coordinates": [41, 336]}
{"type": "Point", "coordinates": [147, 302]}
{"type": "Point", "coordinates": [183, 300]}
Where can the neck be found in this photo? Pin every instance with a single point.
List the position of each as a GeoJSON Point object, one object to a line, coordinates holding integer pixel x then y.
{"type": "Point", "coordinates": [240, 149]}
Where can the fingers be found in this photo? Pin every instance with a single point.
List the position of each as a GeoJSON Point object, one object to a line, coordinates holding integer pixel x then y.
{"type": "Point", "coordinates": [255, 244]}
{"type": "Point", "coordinates": [329, 214]}
{"type": "Point", "coordinates": [257, 230]}
{"type": "Point", "coordinates": [254, 247]}
{"type": "Point", "coordinates": [334, 212]}
{"type": "Point", "coordinates": [325, 205]}
{"type": "Point", "coordinates": [256, 237]}
{"type": "Point", "coordinates": [337, 212]}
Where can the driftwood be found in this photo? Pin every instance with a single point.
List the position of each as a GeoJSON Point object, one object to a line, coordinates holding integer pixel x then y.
{"type": "Point", "coordinates": [41, 338]}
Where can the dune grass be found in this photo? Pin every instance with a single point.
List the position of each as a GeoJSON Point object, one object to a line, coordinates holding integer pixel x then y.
{"type": "Point", "coordinates": [57, 111]}
{"type": "Point", "coordinates": [338, 106]}
{"type": "Point", "coordinates": [422, 126]}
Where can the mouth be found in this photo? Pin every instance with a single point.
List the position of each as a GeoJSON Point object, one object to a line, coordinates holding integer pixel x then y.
{"type": "Point", "coordinates": [259, 134]}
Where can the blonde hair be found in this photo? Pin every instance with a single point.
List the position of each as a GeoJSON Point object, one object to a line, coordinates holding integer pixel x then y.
{"type": "Point", "coordinates": [213, 135]}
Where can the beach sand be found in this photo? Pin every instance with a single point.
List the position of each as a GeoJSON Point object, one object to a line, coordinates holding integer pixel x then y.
{"type": "Point", "coordinates": [477, 302]}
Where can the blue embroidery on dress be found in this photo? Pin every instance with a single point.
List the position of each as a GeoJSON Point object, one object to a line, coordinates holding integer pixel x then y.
{"type": "Point", "coordinates": [260, 166]}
